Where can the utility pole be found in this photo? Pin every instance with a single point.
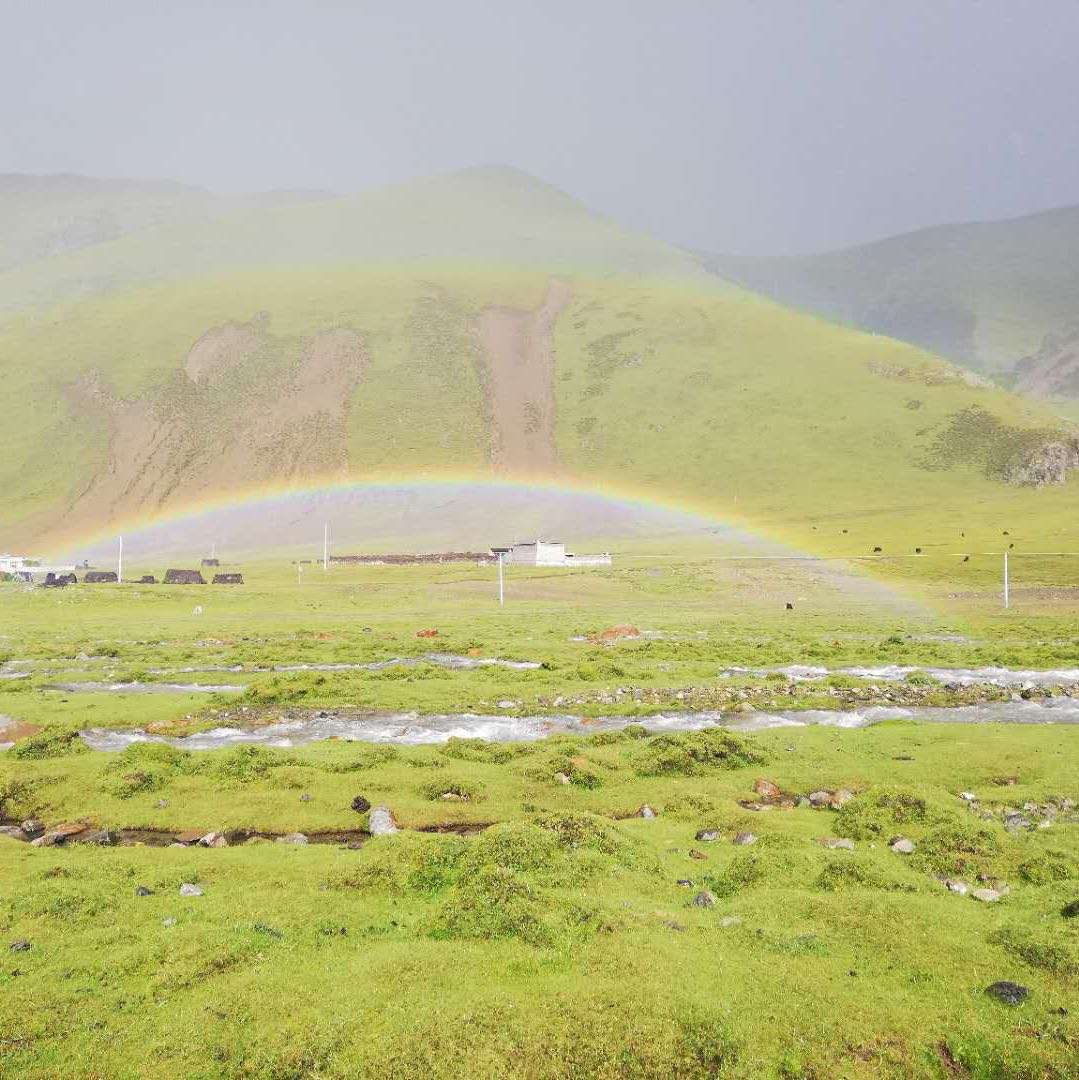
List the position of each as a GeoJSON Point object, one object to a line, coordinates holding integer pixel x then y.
{"type": "Point", "coordinates": [120, 562]}
{"type": "Point", "coordinates": [1005, 579]}
{"type": "Point", "coordinates": [501, 583]}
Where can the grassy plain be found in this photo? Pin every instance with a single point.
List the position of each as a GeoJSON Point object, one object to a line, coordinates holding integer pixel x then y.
{"type": "Point", "coordinates": [557, 942]}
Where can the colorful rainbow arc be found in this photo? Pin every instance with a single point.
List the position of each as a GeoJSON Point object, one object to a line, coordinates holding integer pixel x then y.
{"type": "Point", "coordinates": [270, 492]}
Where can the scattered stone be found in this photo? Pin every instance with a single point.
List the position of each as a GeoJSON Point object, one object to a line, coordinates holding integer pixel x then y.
{"type": "Point", "coordinates": [32, 827]}
{"type": "Point", "coordinates": [695, 854]}
{"type": "Point", "coordinates": [646, 812]}
{"type": "Point", "coordinates": [161, 804]}
{"type": "Point", "coordinates": [143, 890]}
{"type": "Point", "coordinates": [20, 946]}
{"type": "Point", "coordinates": [68, 828]}
{"type": "Point", "coordinates": [1070, 910]}
{"type": "Point", "coordinates": [820, 798]}
{"type": "Point", "coordinates": [987, 896]}
{"type": "Point", "coordinates": [381, 822]}
{"type": "Point", "coordinates": [743, 839]}
{"type": "Point", "coordinates": [562, 778]}
{"type": "Point", "coordinates": [170, 921]}
{"type": "Point", "coordinates": [187, 889]}
{"type": "Point", "coordinates": [190, 836]}
{"type": "Point", "coordinates": [305, 797]}
{"type": "Point", "coordinates": [12, 831]}
{"type": "Point", "coordinates": [427, 633]}
{"type": "Point", "coordinates": [730, 920]}
{"type": "Point", "coordinates": [360, 805]}
{"type": "Point", "coordinates": [838, 843]}
{"type": "Point", "coordinates": [767, 789]}
{"type": "Point", "coordinates": [705, 898]}
{"type": "Point", "coordinates": [903, 846]}
{"type": "Point", "coordinates": [1008, 993]}
{"type": "Point", "coordinates": [214, 840]}
{"type": "Point", "coordinates": [453, 796]}
{"type": "Point", "coordinates": [968, 796]}
{"type": "Point", "coordinates": [49, 839]}
{"type": "Point", "coordinates": [1016, 821]}
{"type": "Point", "coordinates": [292, 838]}
{"type": "Point", "coordinates": [685, 882]}
{"type": "Point", "coordinates": [956, 886]}
{"type": "Point", "coordinates": [709, 836]}
{"type": "Point", "coordinates": [842, 797]}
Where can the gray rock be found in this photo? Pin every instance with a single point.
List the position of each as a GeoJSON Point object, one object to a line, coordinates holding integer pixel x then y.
{"type": "Point", "coordinates": [360, 805]}
{"type": "Point", "coordinates": [685, 883]}
{"type": "Point", "coordinates": [12, 831]}
{"type": "Point", "coordinates": [820, 798]}
{"type": "Point", "coordinates": [708, 836]}
{"type": "Point", "coordinates": [1016, 821]}
{"type": "Point", "coordinates": [213, 840]}
{"type": "Point", "coordinates": [987, 896]}
{"type": "Point", "coordinates": [838, 843]}
{"type": "Point", "coordinates": [170, 921]}
{"type": "Point", "coordinates": [743, 839]}
{"type": "Point", "coordinates": [646, 812]}
{"type": "Point", "coordinates": [187, 889]}
{"type": "Point", "coordinates": [903, 846]}
{"type": "Point", "coordinates": [143, 890]}
{"type": "Point", "coordinates": [20, 946]}
{"type": "Point", "coordinates": [305, 797]}
{"type": "Point", "coordinates": [1008, 993]}
{"type": "Point", "coordinates": [704, 898]}
{"type": "Point", "coordinates": [562, 778]}
{"type": "Point", "coordinates": [381, 822]}
{"type": "Point", "coordinates": [956, 886]}
{"type": "Point", "coordinates": [100, 837]}
{"type": "Point", "coordinates": [968, 796]}
{"type": "Point", "coordinates": [730, 920]}
{"type": "Point", "coordinates": [842, 797]}
{"type": "Point", "coordinates": [292, 838]}
{"type": "Point", "coordinates": [49, 839]}
{"type": "Point", "coordinates": [161, 804]}
{"type": "Point", "coordinates": [32, 827]}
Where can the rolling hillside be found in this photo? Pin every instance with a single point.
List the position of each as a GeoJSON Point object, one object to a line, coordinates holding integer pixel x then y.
{"type": "Point", "coordinates": [484, 324]}
{"type": "Point", "coordinates": [984, 295]}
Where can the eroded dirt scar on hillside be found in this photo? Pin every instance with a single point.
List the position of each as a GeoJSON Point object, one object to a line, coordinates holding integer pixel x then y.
{"type": "Point", "coordinates": [246, 408]}
{"type": "Point", "coordinates": [519, 352]}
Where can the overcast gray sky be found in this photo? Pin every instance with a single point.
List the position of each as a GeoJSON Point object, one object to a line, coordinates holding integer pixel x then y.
{"type": "Point", "coordinates": [761, 126]}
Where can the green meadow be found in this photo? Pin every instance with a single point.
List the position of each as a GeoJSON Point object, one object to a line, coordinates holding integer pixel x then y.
{"type": "Point", "coordinates": [526, 920]}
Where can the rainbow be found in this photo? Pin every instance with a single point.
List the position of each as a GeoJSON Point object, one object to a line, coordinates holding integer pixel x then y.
{"type": "Point", "coordinates": [290, 495]}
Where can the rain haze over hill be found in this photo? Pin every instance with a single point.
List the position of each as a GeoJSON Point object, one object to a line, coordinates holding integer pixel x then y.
{"type": "Point", "coordinates": [735, 126]}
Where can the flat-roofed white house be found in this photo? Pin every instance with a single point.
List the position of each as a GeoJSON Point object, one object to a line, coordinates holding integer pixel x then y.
{"type": "Point", "coordinates": [547, 553]}
{"type": "Point", "coordinates": [22, 566]}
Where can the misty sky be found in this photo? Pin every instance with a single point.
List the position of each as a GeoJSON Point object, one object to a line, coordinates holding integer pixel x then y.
{"type": "Point", "coordinates": [762, 126]}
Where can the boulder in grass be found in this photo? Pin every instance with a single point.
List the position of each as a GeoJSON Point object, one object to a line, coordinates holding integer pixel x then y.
{"type": "Point", "coordinates": [767, 789]}
{"type": "Point", "coordinates": [360, 805]}
{"type": "Point", "coordinates": [704, 898]}
{"type": "Point", "coordinates": [1070, 910]}
{"type": "Point", "coordinates": [743, 839]}
{"type": "Point", "coordinates": [903, 846]}
{"type": "Point", "coordinates": [838, 843]}
{"type": "Point", "coordinates": [190, 889]}
{"type": "Point", "coordinates": [987, 896]}
{"type": "Point", "coordinates": [707, 836]}
{"type": "Point", "coordinates": [646, 812]}
{"type": "Point", "coordinates": [1008, 993]}
{"type": "Point", "coordinates": [381, 822]}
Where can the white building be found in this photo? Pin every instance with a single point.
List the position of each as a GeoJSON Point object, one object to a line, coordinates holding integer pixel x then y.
{"type": "Point", "coordinates": [547, 553]}
{"type": "Point", "coordinates": [22, 566]}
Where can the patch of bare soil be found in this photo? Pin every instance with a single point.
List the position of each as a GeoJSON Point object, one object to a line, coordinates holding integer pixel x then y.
{"type": "Point", "coordinates": [520, 362]}
{"type": "Point", "coordinates": [233, 419]}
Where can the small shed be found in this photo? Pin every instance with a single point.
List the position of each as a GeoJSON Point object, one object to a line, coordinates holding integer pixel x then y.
{"type": "Point", "coordinates": [99, 577]}
{"type": "Point", "coordinates": [211, 562]}
{"type": "Point", "coordinates": [184, 577]}
{"type": "Point", "coordinates": [228, 579]}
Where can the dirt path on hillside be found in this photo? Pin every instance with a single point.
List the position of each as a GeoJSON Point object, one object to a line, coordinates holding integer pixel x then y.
{"type": "Point", "coordinates": [519, 353]}
{"type": "Point", "coordinates": [230, 424]}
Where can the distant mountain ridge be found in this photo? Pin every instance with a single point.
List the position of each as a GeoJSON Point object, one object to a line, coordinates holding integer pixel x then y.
{"type": "Point", "coordinates": [983, 294]}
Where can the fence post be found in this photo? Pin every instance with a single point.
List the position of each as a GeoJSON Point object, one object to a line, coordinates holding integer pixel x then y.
{"type": "Point", "coordinates": [1005, 579]}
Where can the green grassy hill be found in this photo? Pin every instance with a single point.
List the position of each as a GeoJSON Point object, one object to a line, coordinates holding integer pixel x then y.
{"type": "Point", "coordinates": [983, 294]}
{"type": "Point", "coordinates": [479, 324]}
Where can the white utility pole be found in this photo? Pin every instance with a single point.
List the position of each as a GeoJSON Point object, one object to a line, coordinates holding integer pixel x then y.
{"type": "Point", "coordinates": [326, 546]}
{"type": "Point", "coordinates": [1005, 579]}
{"type": "Point", "coordinates": [299, 571]}
{"type": "Point", "coordinates": [120, 562]}
{"type": "Point", "coordinates": [501, 583]}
